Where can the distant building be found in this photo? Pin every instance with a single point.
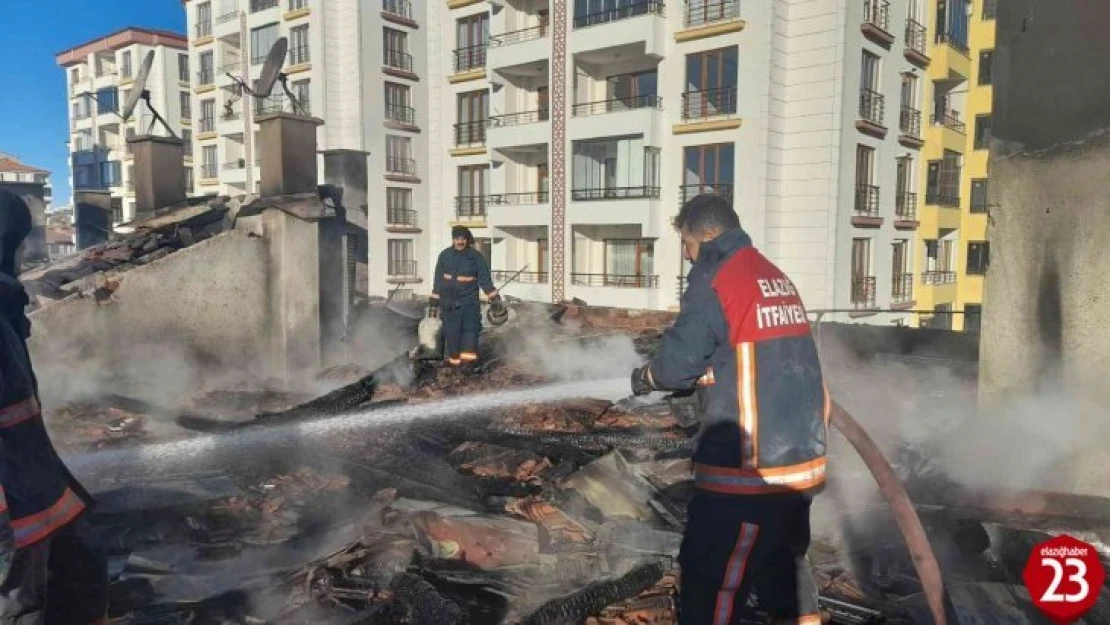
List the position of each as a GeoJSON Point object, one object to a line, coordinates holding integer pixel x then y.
{"type": "Point", "coordinates": [60, 241]}
{"type": "Point", "coordinates": [33, 185]}
{"type": "Point", "coordinates": [100, 74]}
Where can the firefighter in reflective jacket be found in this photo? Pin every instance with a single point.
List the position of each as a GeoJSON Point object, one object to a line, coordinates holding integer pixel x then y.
{"type": "Point", "coordinates": [460, 271]}
{"type": "Point", "coordinates": [51, 571]}
{"type": "Point", "coordinates": [742, 339]}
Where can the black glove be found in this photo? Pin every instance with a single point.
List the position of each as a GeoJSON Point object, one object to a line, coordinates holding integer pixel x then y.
{"type": "Point", "coordinates": [640, 384]}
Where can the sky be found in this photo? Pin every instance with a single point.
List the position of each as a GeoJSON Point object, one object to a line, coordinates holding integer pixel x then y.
{"type": "Point", "coordinates": [34, 122]}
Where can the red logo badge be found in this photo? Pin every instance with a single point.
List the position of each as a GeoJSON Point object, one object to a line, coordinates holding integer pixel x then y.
{"type": "Point", "coordinates": [1064, 578]}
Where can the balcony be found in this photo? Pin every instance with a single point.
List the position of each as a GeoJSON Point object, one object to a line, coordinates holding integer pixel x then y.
{"type": "Point", "coordinates": [471, 134]}
{"type": "Point", "coordinates": [688, 192]}
{"type": "Point", "coordinates": [901, 290]}
{"type": "Point", "coordinates": [951, 120]}
{"type": "Point", "coordinates": [529, 128]}
{"type": "Point", "coordinates": [519, 209]}
{"type": "Point", "coordinates": [867, 206]}
{"type": "Point", "coordinates": [905, 210]}
{"type": "Point", "coordinates": [517, 119]}
{"type": "Point", "coordinates": [863, 292]}
{"type": "Point", "coordinates": [207, 124]}
{"type": "Point", "coordinates": [909, 128]}
{"type": "Point", "coordinates": [955, 43]}
{"type": "Point", "coordinates": [520, 47]}
{"type": "Point", "coordinates": [401, 219]}
{"type": "Point", "coordinates": [471, 208]}
{"type": "Point", "coordinates": [871, 113]}
{"type": "Point", "coordinates": [634, 9]}
{"type": "Point", "coordinates": [615, 193]}
{"type": "Point", "coordinates": [398, 11]}
{"type": "Point", "coordinates": [206, 77]}
{"type": "Point", "coordinates": [709, 104]}
{"type": "Point", "coordinates": [524, 277]}
{"type": "Point", "coordinates": [262, 5]}
{"type": "Point", "coordinates": [520, 36]}
{"type": "Point", "coordinates": [209, 171]}
{"type": "Point", "coordinates": [398, 61]}
{"type": "Point", "coordinates": [709, 12]}
{"type": "Point", "coordinates": [226, 18]}
{"type": "Point", "coordinates": [202, 30]}
{"type": "Point", "coordinates": [231, 66]}
{"type": "Point", "coordinates": [400, 167]}
{"type": "Point", "coordinates": [470, 59]}
{"type": "Point", "coordinates": [298, 56]}
{"type": "Point", "coordinates": [400, 114]}
{"type": "Point", "coordinates": [402, 270]}
{"type": "Point", "coordinates": [639, 25]}
{"type": "Point", "coordinates": [615, 280]}
{"type": "Point", "coordinates": [915, 51]}
{"type": "Point", "coordinates": [938, 278]}
{"type": "Point", "coordinates": [944, 199]}
{"type": "Point", "coordinates": [876, 22]}
{"type": "Point", "coordinates": [617, 105]}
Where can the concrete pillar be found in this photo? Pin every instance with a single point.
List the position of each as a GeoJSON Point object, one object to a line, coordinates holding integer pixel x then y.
{"type": "Point", "coordinates": [287, 144]}
{"type": "Point", "coordinates": [348, 169]}
{"type": "Point", "coordinates": [92, 217]}
{"type": "Point", "coordinates": [294, 293]}
{"type": "Point", "coordinates": [159, 173]}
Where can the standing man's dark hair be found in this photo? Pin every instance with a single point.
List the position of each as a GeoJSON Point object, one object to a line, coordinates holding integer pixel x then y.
{"type": "Point", "coordinates": [706, 213]}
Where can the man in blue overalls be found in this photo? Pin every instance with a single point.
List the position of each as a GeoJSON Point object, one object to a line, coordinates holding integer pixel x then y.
{"type": "Point", "coordinates": [460, 271]}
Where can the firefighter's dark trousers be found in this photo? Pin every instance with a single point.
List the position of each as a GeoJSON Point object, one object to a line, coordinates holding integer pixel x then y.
{"type": "Point", "coordinates": [736, 544]}
{"type": "Point", "coordinates": [61, 580]}
{"type": "Point", "coordinates": [462, 323]}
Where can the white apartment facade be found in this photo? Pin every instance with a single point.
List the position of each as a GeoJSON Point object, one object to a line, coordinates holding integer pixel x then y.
{"type": "Point", "coordinates": [99, 77]}
{"type": "Point", "coordinates": [12, 170]}
{"type": "Point", "coordinates": [567, 133]}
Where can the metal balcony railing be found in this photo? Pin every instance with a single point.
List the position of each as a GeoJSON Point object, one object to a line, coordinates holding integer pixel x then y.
{"type": "Point", "coordinates": [688, 192]}
{"type": "Point", "coordinates": [616, 105]}
{"type": "Point", "coordinates": [710, 11]}
{"type": "Point", "coordinates": [298, 55]}
{"type": "Point", "coordinates": [621, 281]}
{"type": "Point", "coordinates": [909, 122]}
{"type": "Point", "coordinates": [633, 9]}
{"type": "Point", "coordinates": [951, 120]}
{"type": "Point", "coordinates": [863, 291]}
{"type": "Point", "coordinates": [400, 166]}
{"type": "Point", "coordinates": [227, 17]}
{"type": "Point", "coordinates": [401, 217]}
{"type": "Point", "coordinates": [400, 8]}
{"type": "Point", "coordinates": [871, 105]}
{"type": "Point", "coordinates": [709, 103]}
{"type": "Point", "coordinates": [231, 66]}
{"type": "Point", "coordinates": [206, 77]}
{"type": "Point", "coordinates": [518, 119]}
{"type": "Point", "coordinates": [915, 36]}
{"type": "Point", "coordinates": [957, 44]}
{"type": "Point", "coordinates": [905, 206]}
{"type": "Point", "coordinates": [471, 133]}
{"type": "Point", "coordinates": [471, 206]}
{"type": "Point", "coordinates": [935, 278]}
{"type": "Point", "coordinates": [398, 60]}
{"type": "Point", "coordinates": [521, 199]}
{"type": "Point", "coordinates": [207, 124]}
{"type": "Point", "coordinates": [614, 193]}
{"type": "Point", "coordinates": [235, 164]}
{"type": "Point", "coordinates": [262, 5]}
{"type": "Point", "coordinates": [520, 36]}
{"type": "Point", "coordinates": [867, 200]}
{"type": "Point", "coordinates": [208, 171]}
{"type": "Point", "coordinates": [525, 277]}
{"type": "Point", "coordinates": [472, 57]}
{"type": "Point", "coordinates": [877, 13]}
{"type": "Point", "coordinates": [203, 29]}
{"type": "Point", "coordinates": [947, 199]}
{"type": "Point", "coordinates": [402, 268]}
{"type": "Point", "coordinates": [400, 113]}
{"type": "Point", "coordinates": [901, 290]}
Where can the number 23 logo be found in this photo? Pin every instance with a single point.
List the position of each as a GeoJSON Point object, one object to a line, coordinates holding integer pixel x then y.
{"type": "Point", "coordinates": [1079, 577]}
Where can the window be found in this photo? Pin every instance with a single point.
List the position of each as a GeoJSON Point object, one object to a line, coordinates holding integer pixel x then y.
{"type": "Point", "coordinates": [473, 188]}
{"type": "Point", "coordinates": [473, 111]}
{"type": "Point", "coordinates": [708, 169]}
{"type": "Point", "coordinates": [398, 155]}
{"type": "Point", "coordinates": [867, 193]}
{"type": "Point", "coordinates": [901, 275]}
{"type": "Point", "coordinates": [204, 19]}
{"type": "Point", "coordinates": [398, 205]}
{"type": "Point", "coordinates": [989, 7]}
{"type": "Point", "coordinates": [951, 24]}
{"type": "Point", "coordinates": [401, 257]}
{"type": "Point", "coordinates": [107, 100]}
{"type": "Point", "coordinates": [208, 115]}
{"type": "Point", "coordinates": [75, 75]}
{"type": "Point", "coordinates": [262, 39]}
{"type": "Point", "coordinates": [84, 140]}
{"type": "Point", "coordinates": [186, 105]}
{"type": "Point", "coordinates": [869, 71]}
{"type": "Point", "coordinates": [298, 45]}
{"type": "Point", "coordinates": [188, 179]}
{"type": "Point", "coordinates": [472, 35]}
{"type": "Point", "coordinates": [187, 139]}
{"type": "Point", "coordinates": [208, 162]}
{"type": "Point", "coordinates": [398, 104]}
{"type": "Point", "coordinates": [633, 90]}
{"type": "Point", "coordinates": [111, 174]}
{"type": "Point", "coordinates": [396, 49]}
{"type": "Point", "coordinates": [942, 186]}
{"type": "Point", "coordinates": [710, 83]}
{"type": "Point", "coordinates": [629, 262]}
{"type": "Point", "coordinates": [543, 181]}
{"type": "Point", "coordinates": [206, 75]}
{"type": "Point", "coordinates": [183, 67]}
{"type": "Point", "coordinates": [973, 317]}
{"type": "Point", "coordinates": [863, 283]}
{"type": "Point", "coordinates": [982, 132]}
{"type": "Point", "coordinates": [302, 91]}
{"type": "Point", "coordinates": [125, 64]}
{"type": "Point", "coordinates": [980, 195]}
{"type": "Point", "coordinates": [978, 257]}
{"type": "Point", "coordinates": [606, 169]}
{"type": "Point", "coordinates": [986, 62]}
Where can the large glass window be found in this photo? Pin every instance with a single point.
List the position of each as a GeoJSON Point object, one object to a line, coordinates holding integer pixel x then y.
{"type": "Point", "coordinates": [708, 169]}
{"type": "Point", "coordinates": [262, 39]}
{"type": "Point", "coordinates": [711, 78]}
{"type": "Point", "coordinates": [629, 262]}
{"type": "Point", "coordinates": [614, 168]}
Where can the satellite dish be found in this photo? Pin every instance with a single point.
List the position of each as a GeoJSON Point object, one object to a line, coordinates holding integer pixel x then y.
{"type": "Point", "coordinates": [139, 88]}
{"type": "Point", "coordinates": [271, 74]}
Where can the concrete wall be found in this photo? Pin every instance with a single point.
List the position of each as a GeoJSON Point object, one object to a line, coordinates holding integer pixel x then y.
{"type": "Point", "coordinates": [1044, 324]}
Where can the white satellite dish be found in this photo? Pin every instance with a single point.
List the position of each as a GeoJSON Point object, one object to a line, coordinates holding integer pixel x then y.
{"type": "Point", "coordinates": [271, 74]}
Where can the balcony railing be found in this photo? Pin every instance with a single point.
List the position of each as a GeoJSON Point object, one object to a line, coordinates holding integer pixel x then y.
{"type": "Point", "coordinates": [525, 277]}
{"type": "Point", "coordinates": [227, 17]}
{"type": "Point", "coordinates": [208, 170]}
{"type": "Point", "coordinates": [711, 11]}
{"type": "Point", "coordinates": [710, 103]}
{"type": "Point", "coordinates": [688, 192]}
{"type": "Point", "coordinates": [640, 281]}
{"type": "Point", "coordinates": [471, 133]}
{"type": "Point", "coordinates": [616, 105]}
{"type": "Point", "coordinates": [401, 217]}
{"type": "Point", "coordinates": [615, 193]}
{"type": "Point", "coordinates": [235, 164]}
{"type": "Point", "coordinates": [915, 36]}
{"type": "Point", "coordinates": [519, 119]}
{"type": "Point", "coordinates": [400, 166]}
{"type": "Point", "coordinates": [951, 120]}
{"type": "Point", "coordinates": [957, 45]}
{"type": "Point", "coordinates": [521, 199]}
{"type": "Point", "coordinates": [877, 13]}
{"type": "Point", "coordinates": [297, 4]}
{"type": "Point", "coordinates": [472, 57]}
{"type": "Point", "coordinates": [471, 206]}
{"type": "Point", "coordinates": [262, 5]}
{"type": "Point", "coordinates": [402, 268]}
{"type": "Point", "coordinates": [400, 8]}
{"type": "Point", "coordinates": [398, 60]}
{"type": "Point", "coordinates": [520, 36]}
{"type": "Point", "coordinates": [909, 122]}
{"type": "Point", "coordinates": [901, 290]}
{"type": "Point", "coordinates": [867, 200]}
{"type": "Point", "coordinates": [230, 66]}
{"type": "Point", "coordinates": [634, 9]}
{"type": "Point", "coordinates": [863, 291]}
{"type": "Point", "coordinates": [298, 55]}
{"type": "Point", "coordinates": [207, 124]}
{"type": "Point", "coordinates": [400, 113]}
{"type": "Point", "coordinates": [934, 278]}
{"type": "Point", "coordinates": [871, 105]}
{"type": "Point", "coordinates": [203, 29]}
{"type": "Point", "coordinates": [947, 199]}
{"type": "Point", "coordinates": [206, 77]}
{"type": "Point", "coordinates": [905, 206]}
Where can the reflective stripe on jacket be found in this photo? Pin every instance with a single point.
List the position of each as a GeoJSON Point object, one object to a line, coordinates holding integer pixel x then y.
{"type": "Point", "coordinates": [742, 337]}
{"type": "Point", "coordinates": [459, 275]}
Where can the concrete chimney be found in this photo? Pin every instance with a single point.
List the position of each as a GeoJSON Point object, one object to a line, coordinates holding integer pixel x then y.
{"type": "Point", "coordinates": [92, 217]}
{"type": "Point", "coordinates": [159, 173]}
{"type": "Point", "coordinates": [287, 144]}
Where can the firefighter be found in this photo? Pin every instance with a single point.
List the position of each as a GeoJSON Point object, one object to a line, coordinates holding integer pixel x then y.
{"type": "Point", "coordinates": [51, 569]}
{"type": "Point", "coordinates": [460, 271]}
{"type": "Point", "coordinates": [742, 340]}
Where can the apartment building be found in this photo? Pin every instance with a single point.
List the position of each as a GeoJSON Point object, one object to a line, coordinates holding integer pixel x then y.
{"type": "Point", "coordinates": [358, 66]}
{"type": "Point", "coordinates": [99, 77]}
{"type": "Point", "coordinates": [952, 251]}
{"type": "Point", "coordinates": [14, 175]}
